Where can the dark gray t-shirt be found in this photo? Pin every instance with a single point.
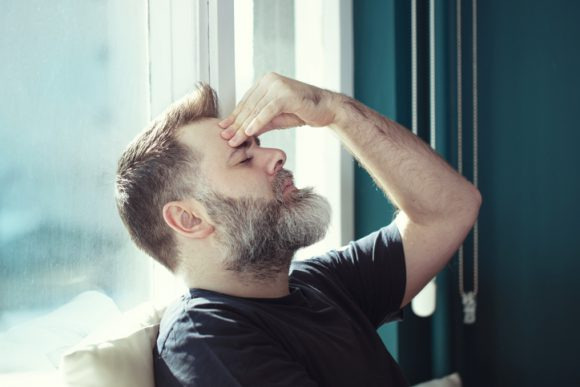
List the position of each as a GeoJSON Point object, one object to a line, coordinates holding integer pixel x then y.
{"type": "Point", "coordinates": [322, 334]}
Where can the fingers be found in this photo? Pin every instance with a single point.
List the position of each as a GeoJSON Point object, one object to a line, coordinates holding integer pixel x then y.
{"type": "Point", "coordinates": [245, 112]}
{"type": "Point", "coordinates": [238, 138]}
{"type": "Point", "coordinates": [252, 118]}
{"type": "Point", "coordinates": [249, 108]}
{"type": "Point", "coordinates": [278, 121]}
{"type": "Point", "coordinates": [230, 119]}
{"type": "Point", "coordinates": [250, 114]}
{"type": "Point", "coordinates": [258, 124]}
{"type": "Point", "coordinates": [263, 117]}
{"type": "Point", "coordinates": [263, 108]}
{"type": "Point", "coordinates": [284, 120]}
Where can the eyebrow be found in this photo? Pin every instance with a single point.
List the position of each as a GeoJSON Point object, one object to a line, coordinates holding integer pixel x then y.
{"type": "Point", "coordinates": [246, 144]}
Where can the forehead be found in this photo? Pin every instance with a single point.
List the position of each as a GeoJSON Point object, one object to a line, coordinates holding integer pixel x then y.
{"type": "Point", "coordinates": [204, 136]}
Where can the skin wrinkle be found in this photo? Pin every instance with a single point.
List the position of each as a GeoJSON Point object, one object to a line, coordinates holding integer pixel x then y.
{"type": "Point", "coordinates": [354, 105]}
{"type": "Point", "coordinates": [317, 98]}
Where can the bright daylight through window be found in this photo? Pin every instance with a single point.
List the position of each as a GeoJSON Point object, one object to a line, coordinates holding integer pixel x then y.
{"type": "Point", "coordinates": [82, 79]}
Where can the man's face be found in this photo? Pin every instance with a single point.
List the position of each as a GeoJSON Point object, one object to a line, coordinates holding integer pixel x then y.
{"type": "Point", "coordinates": [260, 219]}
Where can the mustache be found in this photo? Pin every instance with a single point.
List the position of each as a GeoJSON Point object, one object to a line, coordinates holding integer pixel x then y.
{"type": "Point", "coordinates": [280, 180]}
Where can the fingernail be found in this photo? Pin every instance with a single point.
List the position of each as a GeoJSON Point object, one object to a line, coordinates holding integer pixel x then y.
{"type": "Point", "coordinates": [224, 123]}
{"type": "Point", "coordinates": [233, 141]}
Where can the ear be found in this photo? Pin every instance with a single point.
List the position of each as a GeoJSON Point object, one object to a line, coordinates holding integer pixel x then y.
{"type": "Point", "coordinates": [184, 219]}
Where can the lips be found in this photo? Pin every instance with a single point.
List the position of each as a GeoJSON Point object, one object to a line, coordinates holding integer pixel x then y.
{"type": "Point", "coordinates": [288, 185]}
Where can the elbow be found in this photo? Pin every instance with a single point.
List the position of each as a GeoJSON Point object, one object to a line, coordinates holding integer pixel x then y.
{"type": "Point", "coordinates": [478, 198]}
{"type": "Point", "coordinates": [475, 205]}
{"type": "Point", "coordinates": [465, 210]}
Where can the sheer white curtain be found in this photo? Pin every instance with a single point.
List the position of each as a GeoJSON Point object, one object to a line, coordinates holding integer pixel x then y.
{"type": "Point", "coordinates": [81, 79]}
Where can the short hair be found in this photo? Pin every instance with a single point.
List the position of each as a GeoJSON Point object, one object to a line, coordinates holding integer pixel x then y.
{"type": "Point", "coordinates": [157, 168]}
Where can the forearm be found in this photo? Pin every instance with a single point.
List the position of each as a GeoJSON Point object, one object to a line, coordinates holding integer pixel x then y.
{"type": "Point", "coordinates": [415, 178]}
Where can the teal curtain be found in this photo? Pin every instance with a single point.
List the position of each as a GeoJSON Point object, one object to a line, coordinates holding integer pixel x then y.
{"type": "Point", "coordinates": [529, 93]}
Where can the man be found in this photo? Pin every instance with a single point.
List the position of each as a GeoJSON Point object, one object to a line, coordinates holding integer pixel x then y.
{"type": "Point", "coordinates": [203, 197]}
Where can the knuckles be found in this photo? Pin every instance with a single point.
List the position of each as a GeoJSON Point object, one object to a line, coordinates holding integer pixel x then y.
{"type": "Point", "coordinates": [271, 77]}
{"type": "Point", "coordinates": [276, 81]}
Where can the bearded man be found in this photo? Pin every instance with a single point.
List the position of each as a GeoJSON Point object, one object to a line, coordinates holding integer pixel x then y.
{"type": "Point", "coordinates": [202, 197]}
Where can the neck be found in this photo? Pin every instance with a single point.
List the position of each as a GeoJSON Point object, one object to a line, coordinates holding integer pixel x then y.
{"type": "Point", "coordinates": [238, 284]}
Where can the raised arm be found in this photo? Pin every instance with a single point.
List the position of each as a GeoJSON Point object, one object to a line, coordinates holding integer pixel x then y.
{"type": "Point", "coordinates": [438, 207]}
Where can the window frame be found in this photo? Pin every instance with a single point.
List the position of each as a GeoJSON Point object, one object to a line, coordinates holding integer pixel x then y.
{"type": "Point", "coordinates": [318, 23]}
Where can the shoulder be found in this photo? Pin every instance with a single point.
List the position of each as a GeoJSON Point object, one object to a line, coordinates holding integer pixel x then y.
{"type": "Point", "coordinates": [208, 342]}
{"type": "Point", "coordinates": [369, 272]}
{"type": "Point", "coordinates": [197, 319]}
{"type": "Point", "coordinates": [384, 241]}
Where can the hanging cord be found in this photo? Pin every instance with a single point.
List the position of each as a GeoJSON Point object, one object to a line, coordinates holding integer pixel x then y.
{"type": "Point", "coordinates": [469, 298]}
{"type": "Point", "coordinates": [459, 126]}
{"type": "Point", "coordinates": [414, 119]}
{"type": "Point", "coordinates": [424, 303]}
{"type": "Point", "coordinates": [475, 145]}
{"type": "Point", "coordinates": [432, 101]}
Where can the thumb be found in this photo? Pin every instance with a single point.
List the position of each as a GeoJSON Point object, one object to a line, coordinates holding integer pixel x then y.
{"type": "Point", "coordinates": [286, 120]}
{"type": "Point", "coordinates": [281, 121]}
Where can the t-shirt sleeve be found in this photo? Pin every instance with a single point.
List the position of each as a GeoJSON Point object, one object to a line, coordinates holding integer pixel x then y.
{"type": "Point", "coordinates": [371, 271]}
{"type": "Point", "coordinates": [216, 348]}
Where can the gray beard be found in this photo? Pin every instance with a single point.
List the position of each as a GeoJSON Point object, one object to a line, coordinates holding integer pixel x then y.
{"type": "Point", "coordinates": [259, 237]}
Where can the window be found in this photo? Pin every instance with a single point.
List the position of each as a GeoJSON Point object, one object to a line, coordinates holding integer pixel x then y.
{"type": "Point", "coordinates": [74, 94]}
{"type": "Point", "coordinates": [83, 79]}
{"type": "Point", "coordinates": [312, 42]}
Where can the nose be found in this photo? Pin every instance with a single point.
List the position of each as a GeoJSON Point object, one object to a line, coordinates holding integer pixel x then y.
{"type": "Point", "coordinates": [276, 161]}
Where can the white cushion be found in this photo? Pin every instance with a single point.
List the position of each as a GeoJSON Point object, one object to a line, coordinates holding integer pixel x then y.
{"type": "Point", "coordinates": [36, 345]}
{"type": "Point", "coordinates": [453, 380]}
{"type": "Point", "coordinates": [119, 355]}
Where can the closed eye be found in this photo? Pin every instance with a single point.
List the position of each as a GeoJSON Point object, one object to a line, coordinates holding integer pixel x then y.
{"type": "Point", "coordinates": [247, 144]}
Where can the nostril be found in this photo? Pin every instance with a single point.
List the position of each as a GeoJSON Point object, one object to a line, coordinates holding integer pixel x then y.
{"type": "Point", "coordinates": [279, 165]}
{"type": "Point", "coordinates": [277, 160]}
